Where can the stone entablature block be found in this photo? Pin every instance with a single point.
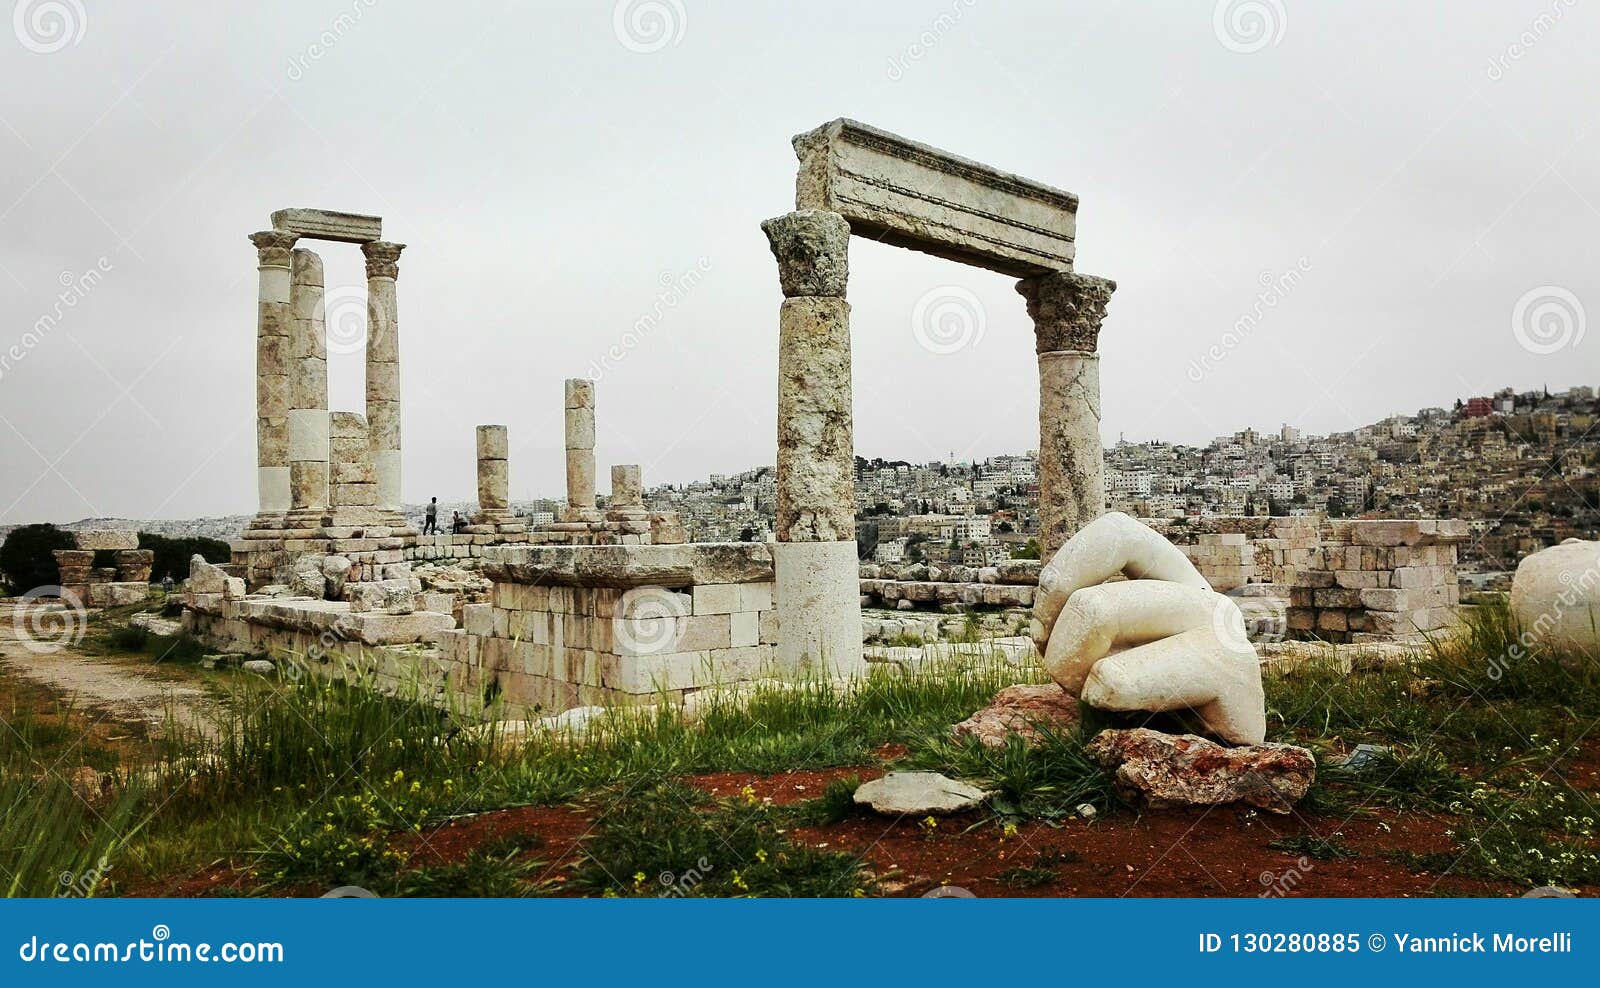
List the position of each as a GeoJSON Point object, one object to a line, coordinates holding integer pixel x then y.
{"type": "Point", "coordinates": [327, 224]}
{"type": "Point", "coordinates": [911, 195]}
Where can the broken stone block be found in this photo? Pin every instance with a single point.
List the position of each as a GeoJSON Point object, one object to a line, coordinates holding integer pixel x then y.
{"type": "Point", "coordinates": [1165, 770]}
{"type": "Point", "coordinates": [204, 577]}
{"type": "Point", "coordinates": [1021, 711]}
{"type": "Point", "coordinates": [919, 794]}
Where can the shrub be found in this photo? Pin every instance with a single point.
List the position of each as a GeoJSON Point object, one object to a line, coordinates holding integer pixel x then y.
{"type": "Point", "coordinates": [25, 558]}
{"type": "Point", "coordinates": [172, 555]}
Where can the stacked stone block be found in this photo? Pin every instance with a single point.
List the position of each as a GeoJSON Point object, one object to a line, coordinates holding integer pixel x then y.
{"type": "Point", "coordinates": [126, 582]}
{"type": "Point", "coordinates": [571, 626]}
{"type": "Point", "coordinates": [1379, 580]}
{"type": "Point", "coordinates": [352, 484]}
{"type": "Point", "coordinates": [494, 484]}
{"type": "Point", "coordinates": [1226, 560]}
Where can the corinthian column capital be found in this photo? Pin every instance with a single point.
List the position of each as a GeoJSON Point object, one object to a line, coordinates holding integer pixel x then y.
{"type": "Point", "coordinates": [383, 258]}
{"type": "Point", "coordinates": [273, 247]}
{"type": "Point", "coordinates": [1067, 309]}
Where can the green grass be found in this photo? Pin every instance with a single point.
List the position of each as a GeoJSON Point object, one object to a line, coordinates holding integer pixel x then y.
{"type": "Point", "coordinates": [312, 783]}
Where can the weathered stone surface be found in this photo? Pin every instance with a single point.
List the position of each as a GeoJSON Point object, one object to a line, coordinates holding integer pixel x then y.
{"type": "Point", "coordinates": [260, 666]}
{"type": "Point", "coordinates": [684, 565]}
{"type": "Point", "coordinates": [1555, 595]}
{"type": "Point", "coordinates": [204, 577]}
{"type": "Point", "coordinates": [666, 528]}
{"type": "Point", "coordinates": [1067, 310]}
{"type": "Point", "coordinates": [1072, 487]}
{"type": "Point", "coordinates": [911, 195]}
{"type": "Point", "coordinates": [308, 583]}
{"type": "Point", "coordinates": [1167, 770]}
{"type": "Point", "coordinates": [919, 794]}
{"type": "Point", "coordinates": [98, 539]}
{"type": "Point", "coordinates": [493, 442]}
{"type": "Point", "coordinates": [816, 453]}
{"type": "Point", "coordinates": [812, 248]}
{"type": "Point", "coordinates": [627, 485]}
{"type": "Point", "coordinates": [1021, 710]}
{"type": "Point", "coordinates": [819, 607]}
{"type": "Point", "coordinates": [326, 224]}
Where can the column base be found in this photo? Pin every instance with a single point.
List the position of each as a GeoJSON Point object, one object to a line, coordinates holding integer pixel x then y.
{"type": "Point", "coordinates": [818, 589]}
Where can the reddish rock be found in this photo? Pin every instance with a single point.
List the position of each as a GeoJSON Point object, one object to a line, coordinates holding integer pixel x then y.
{"type": "Point", "coordinates": [1019, 710]}
{"type": "Point", "coordinates": [1166, 770]}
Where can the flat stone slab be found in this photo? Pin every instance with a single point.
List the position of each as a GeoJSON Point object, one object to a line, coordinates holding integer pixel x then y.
{"type": "Point", "coordinates": [683, 565]}
{"type": "Point", "coordinates": [919, 794]}
{"type": "Point", "coordinates": [326, 224]}
{"type": "Point", "coordinates": [1171, 770]}
{"type": "Point", "coordinates": [912, 195]}
{"type": "Point", "coordinates": [97, 539]}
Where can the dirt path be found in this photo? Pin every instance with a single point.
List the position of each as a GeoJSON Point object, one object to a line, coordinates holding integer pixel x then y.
{"type": "Point", "coordinates": [126, 691]}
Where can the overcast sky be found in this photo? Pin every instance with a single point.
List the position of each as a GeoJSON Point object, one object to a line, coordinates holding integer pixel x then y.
{"type": "Point", "coordinates": [1417, 178]}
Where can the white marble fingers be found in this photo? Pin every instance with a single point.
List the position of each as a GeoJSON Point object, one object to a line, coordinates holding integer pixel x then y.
{"type": "Point", "coordinates": [1162, 640]}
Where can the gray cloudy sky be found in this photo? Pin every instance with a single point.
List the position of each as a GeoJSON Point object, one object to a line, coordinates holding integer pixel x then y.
{"type": "Point", "coordinates": [1419, 167]}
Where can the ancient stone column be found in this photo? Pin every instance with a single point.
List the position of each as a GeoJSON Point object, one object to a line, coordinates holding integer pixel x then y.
{"type": "Point", "coordinates": [580, 450]}
{"type": "Point", "coordinates": [494, 479]}
{"type": "Point", "coordinates": [383, 369]}
{"type": "Point", "coordinates": [350, 477]}
{"type": "Point", "coordinates": [272, 375]}
{"type": "Point", "coordinates": [1067, 310]}
{"type": "Point", "coordinates": [308, 387]}
{"type": "Point", "coordinates": [819, 602]}
{"type": "Point", "coordinates": [627, 486]}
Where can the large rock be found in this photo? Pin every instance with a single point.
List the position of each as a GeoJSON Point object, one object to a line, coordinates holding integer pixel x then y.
{"type": "Point", "coordinates": [919, 794]}
{"type": "Point", "coordinates": [204, 577]}
{"type": "Point", "coordinates": [1555, 596]}
{"type": "Point", "coordinates": [1021, 710]}
{"type": "Point", "coordinates": [1165, 770]}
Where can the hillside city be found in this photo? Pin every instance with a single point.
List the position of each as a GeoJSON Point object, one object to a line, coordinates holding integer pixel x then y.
{"type": "Point", "coordinates": [1523, 468]}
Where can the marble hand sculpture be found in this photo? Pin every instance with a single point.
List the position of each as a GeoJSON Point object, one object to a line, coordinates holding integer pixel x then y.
{"type": "Point", "coordinates": [1161, 640]}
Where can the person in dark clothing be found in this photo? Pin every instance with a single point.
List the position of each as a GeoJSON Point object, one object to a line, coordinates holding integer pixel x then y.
{"type": "Point", "coordinates": [458, 524]}
{"type": "Point", "coordinates": [430, 520]}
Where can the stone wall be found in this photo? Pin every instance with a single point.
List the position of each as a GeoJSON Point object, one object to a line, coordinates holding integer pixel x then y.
{"type": "Point", "coordinates": [573, 626]}
{"type": "Point", "coordinates": [1378, 581]}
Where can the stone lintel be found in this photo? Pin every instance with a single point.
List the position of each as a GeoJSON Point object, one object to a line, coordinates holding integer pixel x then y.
{"type": "Point", "coordinates": [326, 224]}
{"type": "Point", "coordinates": [915, 196]}
{"type": "Point", "coordinates": [685, 565]}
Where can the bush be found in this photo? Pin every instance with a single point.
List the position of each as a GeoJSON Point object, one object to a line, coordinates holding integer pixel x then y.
{"type": "Point", "coordinates": [172, 555]}
{"type": "Point", "coordinates": [26, 561]}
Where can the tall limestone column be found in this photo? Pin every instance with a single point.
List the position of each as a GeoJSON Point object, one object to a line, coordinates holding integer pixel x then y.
{"type": "Point", "coordinates": [1067, 310]}
{"type": "Point", "coordinates": [817, 574]}
{"type": "Point", "coordinates": [383, 370]}
{"type": "Point", "coordinates": [308, 392]}
{"type": "Point", "coordinates": [272, 375]}
{"type": "Point", "coordinates": [580, 451]}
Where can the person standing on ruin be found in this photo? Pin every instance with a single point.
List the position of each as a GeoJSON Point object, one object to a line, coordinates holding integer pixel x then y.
{"type": "Point", "coordinates": [430, 520]}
